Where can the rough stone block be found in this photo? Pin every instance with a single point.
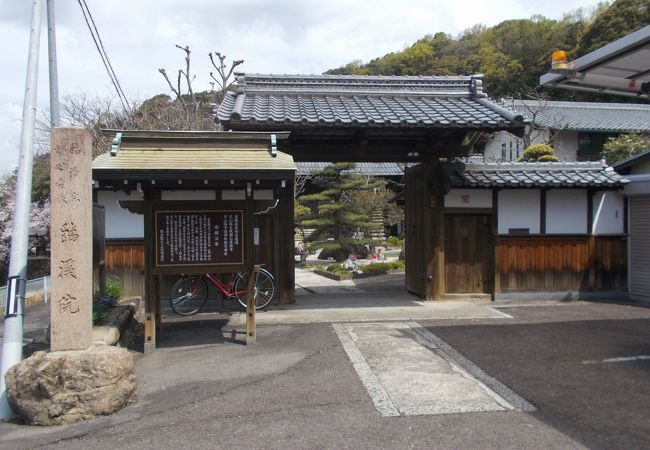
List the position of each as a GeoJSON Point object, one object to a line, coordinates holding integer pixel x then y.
{"type": "Point", "coordinates": [64, 387]}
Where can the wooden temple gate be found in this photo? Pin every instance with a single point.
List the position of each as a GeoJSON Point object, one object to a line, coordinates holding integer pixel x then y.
{"type": "Point", "coordinates": [423, 122]}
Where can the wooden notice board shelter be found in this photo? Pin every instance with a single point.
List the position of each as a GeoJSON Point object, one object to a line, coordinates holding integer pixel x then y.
{"type": "Point", "coordinates": [212, 202]}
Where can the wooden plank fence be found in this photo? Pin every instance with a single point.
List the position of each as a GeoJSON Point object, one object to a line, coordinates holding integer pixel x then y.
{"type": "Point", "coordinates": [125, 261]}
{"type": "Point", "coordinates": [552, 263]}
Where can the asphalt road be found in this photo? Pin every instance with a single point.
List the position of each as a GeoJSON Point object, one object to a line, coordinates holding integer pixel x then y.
{"type": "Point", "coordinates": [571, 369]}
{"type": "Point", "coordinates": [296, 388]}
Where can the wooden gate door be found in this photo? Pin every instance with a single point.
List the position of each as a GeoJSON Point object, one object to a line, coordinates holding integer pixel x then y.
{"type": "Point", "coordinates": [468, 253]}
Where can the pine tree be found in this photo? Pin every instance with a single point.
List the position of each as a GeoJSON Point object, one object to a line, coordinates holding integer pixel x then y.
{"type": "Point", "coordinates": [337, 217]}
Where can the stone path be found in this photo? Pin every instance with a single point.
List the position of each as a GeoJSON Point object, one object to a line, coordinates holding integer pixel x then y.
{"type": "Point", "coordinates": [409, 371]}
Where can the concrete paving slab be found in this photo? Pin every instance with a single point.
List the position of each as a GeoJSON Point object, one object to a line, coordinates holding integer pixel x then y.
{"type": "Point", "coordinates": [406, 372]}
{"type": "Point", "coordinates": [322, 300]}
{"type": "Point", "coordinates": [364, 307]}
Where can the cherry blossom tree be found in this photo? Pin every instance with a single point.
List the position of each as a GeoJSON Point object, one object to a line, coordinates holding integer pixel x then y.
{"type": "Point", "coordinates": [39, 223]}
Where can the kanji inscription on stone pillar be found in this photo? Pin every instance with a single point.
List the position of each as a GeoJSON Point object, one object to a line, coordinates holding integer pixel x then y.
{"type": "Point", "coordinates": [71, 239]}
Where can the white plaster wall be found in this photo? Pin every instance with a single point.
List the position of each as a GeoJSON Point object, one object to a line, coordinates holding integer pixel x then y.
{"type": "Point", "coordinates": [469, 198]}
{"type": "Point", "coordinates": [185, 194]}
{"type": "Point", "coordinates": [639, 185]}
{"type": "Point", "coordinates": [493, 148]}
{"type": "Point", "coordinates": [608, 213]}
{"type": "Point", "coordinates": [233, 194]}
{"type": "Point", "coordinates": [120, 223]}
{"type": "Point", "coordinates": [566, 211]}
{"type": "Point", "coordinates": [263, 194]}
{"type": "Point", "coordinates": [519, 208]}
{"type": "Point", "coordinates": [565, 144]}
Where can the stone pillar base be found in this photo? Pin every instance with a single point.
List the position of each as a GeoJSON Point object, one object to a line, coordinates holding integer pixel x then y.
{"type": "Point", "coordinates": [68, 386]}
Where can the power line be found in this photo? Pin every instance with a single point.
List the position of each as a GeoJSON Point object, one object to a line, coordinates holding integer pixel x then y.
{"type": "Point", "coordinates": [99, 45]}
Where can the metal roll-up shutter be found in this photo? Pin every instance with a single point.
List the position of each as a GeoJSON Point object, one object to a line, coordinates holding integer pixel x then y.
{"type": "Point", "coordinates": [639, 239]}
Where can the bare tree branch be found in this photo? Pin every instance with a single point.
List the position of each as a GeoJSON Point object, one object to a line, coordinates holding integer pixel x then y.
{"type": "Point", "coordinates": [223, 74]}
{"type": "Point", "coordinates": [186, 74]}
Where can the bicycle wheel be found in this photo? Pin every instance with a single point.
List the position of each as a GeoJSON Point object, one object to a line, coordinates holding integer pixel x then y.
{"type": "Point", "coordinates": [264, 288]}
{"type": "Point", "coordinates": [188, 295]}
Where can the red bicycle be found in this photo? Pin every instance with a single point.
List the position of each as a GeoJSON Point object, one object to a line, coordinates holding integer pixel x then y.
{"type": "Point", "coordinates": [190, 293]}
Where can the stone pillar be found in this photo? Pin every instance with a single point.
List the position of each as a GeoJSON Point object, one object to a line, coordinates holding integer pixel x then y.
{"type": "Point", "coordinates": [71, 239]}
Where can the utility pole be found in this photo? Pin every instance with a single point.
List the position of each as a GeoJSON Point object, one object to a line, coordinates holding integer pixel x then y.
{"type": "Point", "coordinates": [12, 346]}
{"type": "Point", "coordinates": [55, 120]}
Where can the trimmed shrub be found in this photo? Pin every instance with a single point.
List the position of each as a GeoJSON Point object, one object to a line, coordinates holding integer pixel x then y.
{"type": "Point", "coordinates": [383, 267]}
{"type": "Point", "coordinates": [548, 158]}
{"type": "Point", "coordinates": [540, 153]}
{"type": "Point", "coordinates": [393, 240]}
{"type": "Point", "coordinates": [336, 268]}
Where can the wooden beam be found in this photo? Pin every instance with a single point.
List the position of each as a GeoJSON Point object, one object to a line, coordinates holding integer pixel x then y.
{"type": "Point", "coordinates": [373, 153]}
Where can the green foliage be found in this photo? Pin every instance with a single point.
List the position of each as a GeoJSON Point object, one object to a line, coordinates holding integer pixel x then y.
{"type": "Point", "coordinates": [370, 201]}
{"type": "Point", "coordinates": [300, 211]}
{"type": "Point", "coordinates": [621, 18]}
{"type": "Point", "coordinates": [626, 145]}
{"type": "Point", "coordinates": [337, 268]}
{"type": "Point", "coordinates": [539, 153]}
{"type": "Point", "coordinates": [99, 310]}
{"type": "Point", "coordinates": [337, 217]}
{"type": "Point", "coordinates": [382, 267]}
{"type": "Point", "coordinates": [548, 158]}
{"type": "Point", "coordinates": [393, 240]}
{"type": "Point", "coordinates": [41, 178]}
{"type": "Point", "coordinates": [113, 288]}
{"type": "Point", "coordinates": [512, 54]}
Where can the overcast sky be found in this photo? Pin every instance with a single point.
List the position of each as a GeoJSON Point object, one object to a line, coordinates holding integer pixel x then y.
{"type": "Point", "coordinates": [272, 36]}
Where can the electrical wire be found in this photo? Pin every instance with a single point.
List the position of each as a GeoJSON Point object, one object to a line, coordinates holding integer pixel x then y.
{"type": "Point", "coordinates": [99, 45]}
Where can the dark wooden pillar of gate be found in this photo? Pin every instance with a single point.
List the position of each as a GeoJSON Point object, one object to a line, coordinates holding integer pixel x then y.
{"type": "Point", "coordinates": [426, 187]}
{"type": "Point", "coordinates": [285, 251]}
{"type": "Point", "coordinates": [150, 288]}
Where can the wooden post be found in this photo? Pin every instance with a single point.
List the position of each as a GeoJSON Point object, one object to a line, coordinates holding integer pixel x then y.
{"type": "Point", "coordinates": [286, 269]}
{"type": "Point", "coordinates": [71, 244]}
{"type": "Point", "coordinates": [440, 270]}
{"type": "Point", "coordinates": [591, 244]}
{"type": "Point", "coordinates": [497, 242]}
{"type": "Point", "coordinates": [434, 238]}
{"type": "Point", "coordinates": [251, 333]}
{"type": "Point", "coordinates": [149, 277]}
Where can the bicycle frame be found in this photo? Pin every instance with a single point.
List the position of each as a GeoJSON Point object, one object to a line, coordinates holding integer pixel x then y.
{"type": "Point", "coordinates": [225, 289]}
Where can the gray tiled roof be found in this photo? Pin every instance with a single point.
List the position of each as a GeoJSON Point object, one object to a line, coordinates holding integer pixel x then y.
{"type": "Point", "coordinates": [383, 169]}
{"type": "Point", "coordinates": [527, 175]}
{"type": "Point", "coordinates": [364, 101]}
{"type": "Point", "coordinates": [586, 116]}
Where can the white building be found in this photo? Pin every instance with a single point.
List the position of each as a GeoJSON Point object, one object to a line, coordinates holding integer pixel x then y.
{"type": "Point", "coordinates": [576, 130]}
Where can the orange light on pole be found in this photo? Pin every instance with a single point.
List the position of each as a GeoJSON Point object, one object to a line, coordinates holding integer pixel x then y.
{"type": "Point", "coordinates": [559, 60]}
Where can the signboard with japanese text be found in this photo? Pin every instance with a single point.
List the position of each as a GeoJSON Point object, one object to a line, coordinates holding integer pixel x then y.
{"type": "Point", "coordinates": [192, 238]}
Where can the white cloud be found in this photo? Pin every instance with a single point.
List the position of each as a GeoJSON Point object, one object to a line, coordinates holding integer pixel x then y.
{"type": "Point", "coordinates": [273, 36]}
{"type": "Point", "coordinates": [10, 126]}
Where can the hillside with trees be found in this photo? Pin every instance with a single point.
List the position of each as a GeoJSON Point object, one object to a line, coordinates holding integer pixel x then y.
{"type": "Point", "coordinates": [514, 53]}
